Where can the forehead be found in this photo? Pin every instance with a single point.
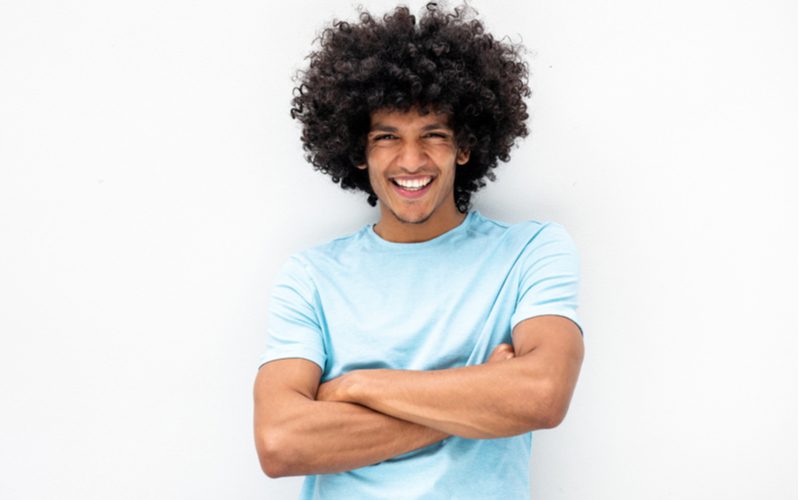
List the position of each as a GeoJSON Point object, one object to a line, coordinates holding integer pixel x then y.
{"type": "Point", "coordinates": [408, 119]}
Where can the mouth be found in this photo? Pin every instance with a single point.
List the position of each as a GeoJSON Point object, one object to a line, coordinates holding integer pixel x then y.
{"type": "Point", "coordinates": [413, 190]}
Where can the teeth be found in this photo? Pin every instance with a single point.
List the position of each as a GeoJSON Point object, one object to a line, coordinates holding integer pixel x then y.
{"type": "Point", "coordinates": [413, 184]}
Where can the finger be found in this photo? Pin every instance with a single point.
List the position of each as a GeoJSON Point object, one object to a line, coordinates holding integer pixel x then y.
{"type": "Point", "coordinates": [501, 353]}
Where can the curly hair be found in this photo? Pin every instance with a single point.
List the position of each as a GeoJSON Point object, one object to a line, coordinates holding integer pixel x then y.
{"type": "Point", "coordinates": [443, 62]}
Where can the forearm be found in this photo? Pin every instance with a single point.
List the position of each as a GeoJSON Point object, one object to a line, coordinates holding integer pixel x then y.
{"type": "Point", "coordinates": [483, 401]}
{"type": "Point", "coordinates": [323, 437]}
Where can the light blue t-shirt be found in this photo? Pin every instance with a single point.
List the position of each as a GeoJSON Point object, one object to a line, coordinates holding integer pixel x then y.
{"type": "Point", "coordinates": [362, 302]}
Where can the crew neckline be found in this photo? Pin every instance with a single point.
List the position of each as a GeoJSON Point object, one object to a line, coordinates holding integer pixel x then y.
{"type": "Point", "coordinates": [376, 238]}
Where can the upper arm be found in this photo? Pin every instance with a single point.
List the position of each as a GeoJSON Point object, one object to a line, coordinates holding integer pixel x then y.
{"type": "Point", "coordinates": [298, 375]}
{"type": "Point", "coordinates": [294, 324]}
{"type": "Point", "coordinates": [553, 346]}
{"type": "Point", "coordinates": [281, 388]}
{"type": "Point", "coordinates": [291, 364]}
{"type": "Point", "coordinates": [546, 330]}
{"type": "Point", "coordinates": [549, 276]}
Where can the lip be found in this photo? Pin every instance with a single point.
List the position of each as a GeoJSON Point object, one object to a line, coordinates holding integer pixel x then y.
{"type": "Point", "coordinates": [411, 195]}
{"type": "Point", "coordinates": [412, 177]}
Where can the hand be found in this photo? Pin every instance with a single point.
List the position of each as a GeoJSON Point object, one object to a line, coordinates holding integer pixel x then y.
{"type": "Point", "coordinates": [502, 352]}
{"type": "Point", "coordinates": [337, 388]}
{"type": "Point", "coordinates": [334, 389]}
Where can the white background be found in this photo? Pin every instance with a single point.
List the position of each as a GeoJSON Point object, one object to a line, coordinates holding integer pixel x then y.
{"type": "Point", "coordinates": [151, 181]}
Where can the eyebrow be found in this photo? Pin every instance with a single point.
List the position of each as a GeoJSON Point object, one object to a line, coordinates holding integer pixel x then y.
{"type": "Point", "coordinates": [387, 128]}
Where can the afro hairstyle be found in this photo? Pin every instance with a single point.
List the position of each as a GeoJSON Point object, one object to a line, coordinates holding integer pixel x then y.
{"type": "Point", "coordinates": [443, 62]}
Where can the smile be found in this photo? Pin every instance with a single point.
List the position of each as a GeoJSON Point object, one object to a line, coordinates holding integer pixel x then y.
{"type": "Point", "coordinates": [412, 189]}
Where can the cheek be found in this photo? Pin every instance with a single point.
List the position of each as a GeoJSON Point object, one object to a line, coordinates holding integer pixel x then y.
{"type": "Point", "coordinates": [376, 180]}
{"type": "Point", "coordinates": [444, 154]}
{"type": "Point", "coordinates": [377, 158]}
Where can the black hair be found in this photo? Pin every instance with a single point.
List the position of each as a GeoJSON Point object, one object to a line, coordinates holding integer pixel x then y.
{"type": "Point", "coordinates": [442, 61]}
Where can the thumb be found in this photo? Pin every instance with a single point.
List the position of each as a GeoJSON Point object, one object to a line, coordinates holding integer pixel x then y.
{"type": "Point", "coordinates": [501, 353]}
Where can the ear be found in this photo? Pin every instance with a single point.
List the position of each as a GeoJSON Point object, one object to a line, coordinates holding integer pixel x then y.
{"type": "Point", "coordinates": [462, 157]}
{"type": "Point", "coordinates": [363, 166]}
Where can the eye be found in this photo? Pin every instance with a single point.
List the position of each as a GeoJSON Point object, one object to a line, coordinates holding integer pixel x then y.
{"type": "Point", "coordinates": [383, 137]}
{"type": "Point", "coordinates": [438, 135]}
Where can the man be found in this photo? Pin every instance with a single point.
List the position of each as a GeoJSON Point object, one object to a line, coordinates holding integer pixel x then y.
{"type": "Point", "coordinates": [413, 357]}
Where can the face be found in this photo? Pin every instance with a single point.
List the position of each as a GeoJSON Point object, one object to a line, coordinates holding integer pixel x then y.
{"type": "Point", "coordinates": [411, 161]}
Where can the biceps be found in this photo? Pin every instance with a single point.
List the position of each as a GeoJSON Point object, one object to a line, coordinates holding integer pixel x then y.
{"type": "Point", "coordinates": [295, 374]}
{"type": "Point", "coordinates": [283, 390]}
{"type": "Point", "coordinates": [554, 346]}
{"type": "Point", "coordinates": [281, 384]}
{"type": "Point", "coordinates": [552, 349]}
{"type": "Point", "coordinates": [550, 331]}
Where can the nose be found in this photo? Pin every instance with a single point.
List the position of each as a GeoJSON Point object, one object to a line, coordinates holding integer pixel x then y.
{"type": "Point", "coordinates": [412, 156]}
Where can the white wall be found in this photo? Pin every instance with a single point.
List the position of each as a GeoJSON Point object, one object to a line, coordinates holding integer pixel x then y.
{"type": "Point", "coordinates": [151, 181]}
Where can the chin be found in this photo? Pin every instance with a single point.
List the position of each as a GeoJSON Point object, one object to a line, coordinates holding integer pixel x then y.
{"type": "Point", "coordinates": [408, 218]}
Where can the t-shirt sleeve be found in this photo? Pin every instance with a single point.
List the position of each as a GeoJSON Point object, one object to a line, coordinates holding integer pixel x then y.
{"type": "Point", "coordinates": [293, 326]}
{"type": "Point", "coordinates": [549, 277]}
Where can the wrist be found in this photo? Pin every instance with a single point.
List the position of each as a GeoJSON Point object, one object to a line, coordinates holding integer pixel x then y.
{"type": "Point", "coordinates": [352, 388]}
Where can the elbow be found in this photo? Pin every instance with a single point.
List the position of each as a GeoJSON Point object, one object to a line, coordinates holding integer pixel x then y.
{"type": "Point", "coordinates": [551, 418]}
{"type": "Point", "coordinates": [551, 409]}
{"type": "Point", "coordinates": [272, 455]}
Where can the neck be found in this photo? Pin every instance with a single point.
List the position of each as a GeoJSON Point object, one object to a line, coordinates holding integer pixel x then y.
{"type": "Point", "coordinates": [397, 230]}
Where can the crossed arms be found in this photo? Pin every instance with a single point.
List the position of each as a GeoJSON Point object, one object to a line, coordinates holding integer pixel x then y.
{"type": "Point", "coordinates": [363, 417]}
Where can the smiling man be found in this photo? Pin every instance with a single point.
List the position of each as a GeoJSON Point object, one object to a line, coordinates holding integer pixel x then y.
{"type": "Point", "coordinates": [413, 357]}
{"type": "Point", "coordinates": [411, 160]}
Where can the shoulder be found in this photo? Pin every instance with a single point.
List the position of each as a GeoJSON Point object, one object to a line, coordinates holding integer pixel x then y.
{"type": "Point", "coordinates": [549, 232]}
{"type": "Point", "coordinates": [529, 233]}
{"type": "Point", "coordinates": [310, 260]}
{"type": "Point", "coordinates": [548, 238]}
{"type": "Point", "coordinates": [537, 242]}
